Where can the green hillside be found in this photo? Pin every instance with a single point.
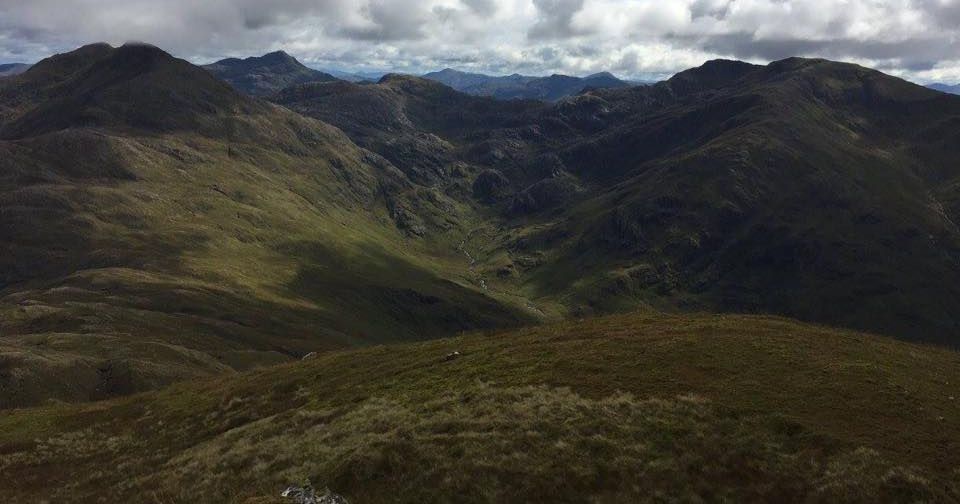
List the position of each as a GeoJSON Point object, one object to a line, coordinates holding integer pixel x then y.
{"type": "Point", "coordinates": [158, 226]}
{"type": "Point", "coordinates": [630, 408]}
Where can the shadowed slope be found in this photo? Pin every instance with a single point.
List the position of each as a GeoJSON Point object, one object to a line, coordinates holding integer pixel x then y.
{"type": "Point", "coordinates": [815, 189]}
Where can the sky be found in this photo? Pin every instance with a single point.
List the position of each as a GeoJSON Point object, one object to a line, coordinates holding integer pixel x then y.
{"type": "Point", "coordinates": [642, 39]}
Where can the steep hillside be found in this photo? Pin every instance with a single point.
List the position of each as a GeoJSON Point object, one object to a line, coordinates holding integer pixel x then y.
{"type": "Point", "coordinates": [513, 87]}
{"type": "Point", "coordinates": [636, 408]}
{"type": "Point", "coordinates": [819, 190]}
{"type": "Point", "coordinates": [158, 225]}
{"type": "Point", "coordinates": [267, 74]}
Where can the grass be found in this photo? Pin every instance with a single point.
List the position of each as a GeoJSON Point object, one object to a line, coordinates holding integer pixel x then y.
{"type": "Point", "coordinates": [637, 407]}
{"type": "Point", "coordinates": [240, 235]}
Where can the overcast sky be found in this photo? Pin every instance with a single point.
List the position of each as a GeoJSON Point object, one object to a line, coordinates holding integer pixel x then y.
{"type": "Point", "coordinates": [918, 39]}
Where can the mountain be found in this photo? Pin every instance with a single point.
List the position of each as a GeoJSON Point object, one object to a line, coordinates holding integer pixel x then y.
{"type": "Point", "coordinates": [356, 76]}
{"type": "Point", "coordinates": [267, 74]}
{"type": "Point", "coordinates": [517, 86]}
{"type": "Point", "coordinates": [808, 188]}
{"type": "Point", "coordinates": [8, 69]}
{"type": "Point", "coordinates": [697, 408]}
{"type": "Point", "coordinates": [405, 292]}
{"type": "Point", "coordinates": [946, 88]}
{"type": "Point", "coordinates": [158, 225]}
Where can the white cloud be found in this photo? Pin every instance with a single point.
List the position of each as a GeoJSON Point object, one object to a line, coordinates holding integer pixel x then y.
{"type": "Point", "coordinates": [914, 38]}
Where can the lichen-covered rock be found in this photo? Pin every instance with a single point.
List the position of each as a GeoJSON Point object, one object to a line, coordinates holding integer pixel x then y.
{"type": "Point", "coordinates": [308, 495]}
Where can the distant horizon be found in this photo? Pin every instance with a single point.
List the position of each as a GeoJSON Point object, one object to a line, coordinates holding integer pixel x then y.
{"type": "Point", "coordinates": [376, 73]}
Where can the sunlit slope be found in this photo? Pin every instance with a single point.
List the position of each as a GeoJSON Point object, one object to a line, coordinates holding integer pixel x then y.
{"type": "Point", "coordinates": [158, 225]}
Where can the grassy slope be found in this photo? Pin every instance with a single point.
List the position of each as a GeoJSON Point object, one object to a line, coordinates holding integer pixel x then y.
{"type": "Point", "coordinates": [623, 408]}
{"type": "Point", "coordinates": [226, 234]}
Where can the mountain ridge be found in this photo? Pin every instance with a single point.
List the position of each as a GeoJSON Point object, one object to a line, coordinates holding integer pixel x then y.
{"type": "Point", "coordinates": [516, 86]}
{"type": "Point", "coordinates": [946, 88]}
{"type": "Point", "coordinates": [267, 74]}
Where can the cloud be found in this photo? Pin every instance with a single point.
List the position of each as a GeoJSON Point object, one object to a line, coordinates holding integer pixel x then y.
{"type": "Point", "coordinates": [913, 38]}
{"type": "Point", "coordinates": [554, 19]}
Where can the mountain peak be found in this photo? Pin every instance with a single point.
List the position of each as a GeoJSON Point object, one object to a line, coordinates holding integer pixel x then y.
{"type": "Point", "coordinates": [131, 86]}
{"type": "Point", "coordinates": [711, 75]}
{"type": "Point", "coordinates": [267, 74]}
{"type": "Point", "coordinates": [278, 57]}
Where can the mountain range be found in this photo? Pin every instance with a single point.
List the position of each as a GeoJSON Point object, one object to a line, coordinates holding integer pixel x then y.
{"type": "Point", "coordinates": [409, 292]}
{"type": "Point", "coordinates": [946, 88]}
{"type": "Point", "coordinates": [551, 88]}
{"type": "Point", "coordinates": [8, 69]}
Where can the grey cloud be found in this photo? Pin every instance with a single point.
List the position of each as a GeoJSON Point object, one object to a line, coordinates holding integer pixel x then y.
{"type": "Point", "coordinates": [390, 21]}
{"type": "Point", "coordinates": [555, 19]}
{"type": "Point", "coordinates": [484, 8]}
{"type": "Point", "coordinates": [710, 8]}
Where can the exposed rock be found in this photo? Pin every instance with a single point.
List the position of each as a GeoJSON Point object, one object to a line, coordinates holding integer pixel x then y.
{"type": "Point", "coordinates": [308, 495]}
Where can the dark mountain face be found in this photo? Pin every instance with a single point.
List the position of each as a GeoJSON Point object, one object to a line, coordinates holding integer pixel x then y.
{"type": "Point", "coordinates": [809, 188]}
{"type": "Point", "coordinates": [946, 88]}
{"type": "Point", "coordinates": [514, 87]}
{"type": "Point", "coordinates": [267, 74]}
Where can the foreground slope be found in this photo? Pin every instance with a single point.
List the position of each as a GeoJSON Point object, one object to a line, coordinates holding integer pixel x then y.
{"type": "Point", "coordinates": [629, 408]}
{"type": "Point", "coordinates": [158, 225]}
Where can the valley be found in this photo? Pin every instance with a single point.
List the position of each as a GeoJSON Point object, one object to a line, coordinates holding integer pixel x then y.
{"type": "Point", "coordinates": [739, 284]}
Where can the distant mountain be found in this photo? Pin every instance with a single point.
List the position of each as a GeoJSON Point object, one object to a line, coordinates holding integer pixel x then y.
{"type": "Point", "coordinates": [267, 74]}
{"type": "Point", "coordinates": [355, 76]}
{"type": "Point", "coordinates": [518, 86]}
{"type": "Point", "coordinates": [946, 88]}
{"type": "Point", "coordinates": [9, 69]}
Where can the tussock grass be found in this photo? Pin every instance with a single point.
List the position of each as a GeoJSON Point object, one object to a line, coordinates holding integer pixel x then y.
{"type": "Point", "coordinates": [619, 409]}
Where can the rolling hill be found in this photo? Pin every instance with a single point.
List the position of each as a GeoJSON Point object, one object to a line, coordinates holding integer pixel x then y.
{"type": "Point", "coordinates": [631, 408]}
{"type": "Point", "coordinates": [514, 87]}
{"type": "Point", "coordinates": [267, 74]}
